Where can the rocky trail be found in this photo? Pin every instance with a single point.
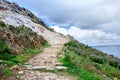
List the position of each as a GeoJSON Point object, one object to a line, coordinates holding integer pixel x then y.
{"type": "Point", "coordinates": [45, 66]}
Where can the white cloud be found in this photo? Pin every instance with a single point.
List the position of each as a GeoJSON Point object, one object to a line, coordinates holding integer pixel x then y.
{"type": "Point", "coordinates": [60, 30]}
{"type": "Point", "coordinates": [90, 37]}
{"type": "Point", "coordinates": [91, 34]}
{"type": "Point", "coordinates": [86, 14]}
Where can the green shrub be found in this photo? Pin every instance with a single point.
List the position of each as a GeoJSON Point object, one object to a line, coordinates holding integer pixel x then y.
{"type": "Point", "coordinates": [98, 59]}
{"type": "Point", "coordinates": [2, 24]}
{"type": "Point", "coordinates": [31, 51]}
{"type": "Point", "coordinates": [4, 47]}
{"type": "Point", "coordinates": [114, 63]}
{"type": "Point", "coordinates": [6, 73]}
{"type": "Point", "coordinates": [6, 56]}
{"type": "Point", "coordinates": [43, 41]}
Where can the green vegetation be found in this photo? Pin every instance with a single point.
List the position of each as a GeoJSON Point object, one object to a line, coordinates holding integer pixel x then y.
{"type": "Point", "coordinates": [11, 59]}
{"type": "Point", "coordinates": [22, 37]}
{"type": "Point", "coordinates": [6, 73]}
{"type": "Point", "coordinates": [44, 42]}
{"type": "Point", "coordinates": [87, 63]}
{"type": "Point", "coordinates": [2, 24]}
{"type": "Point", "coordinates": [4, 47]}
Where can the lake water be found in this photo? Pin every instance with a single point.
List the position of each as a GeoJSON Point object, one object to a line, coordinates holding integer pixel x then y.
{"type": "Point", "coordinates": [109, 49]}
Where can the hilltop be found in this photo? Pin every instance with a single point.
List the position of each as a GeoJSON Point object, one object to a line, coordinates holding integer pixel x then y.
{"type": "Point", "coordinates": [31, 50]}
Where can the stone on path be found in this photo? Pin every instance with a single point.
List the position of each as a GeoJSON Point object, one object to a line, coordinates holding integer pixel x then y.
{"type": "Point", "coordinates": [61, 68]}
{"type": "Point", "coordinates": [48, 67]}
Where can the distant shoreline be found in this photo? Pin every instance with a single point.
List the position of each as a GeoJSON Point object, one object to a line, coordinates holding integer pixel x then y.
{"type": "Point", "coordinates": [103, 45]}
{"type": "Point", "coordinates": [109, 49]}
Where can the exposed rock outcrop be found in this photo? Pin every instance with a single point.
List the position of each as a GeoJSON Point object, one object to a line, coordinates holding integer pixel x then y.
{"type": "Point", "coordinates": [19, 38]}
{"type": "Point", "coordinates": [14, 7]}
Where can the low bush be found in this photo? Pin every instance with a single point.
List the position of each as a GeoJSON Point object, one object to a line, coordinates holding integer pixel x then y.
{"type": "Point", "coordinates": [4, 47]}
{"type": "Point", "coordinates": [2, 24]}
{"type": "Point", "coordinates": [98, 59]}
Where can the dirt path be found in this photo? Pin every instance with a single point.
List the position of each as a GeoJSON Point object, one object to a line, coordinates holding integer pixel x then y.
{"type": "Point", "coordinates": [44, 65]}
{"type": "Point", "coordinates": [47, 58]}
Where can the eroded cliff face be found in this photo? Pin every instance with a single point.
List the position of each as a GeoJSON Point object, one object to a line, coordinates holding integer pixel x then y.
{"type": "Point", "coordinates": [21, 37]}
{"type": "Point", "coordinates": [15, 8]}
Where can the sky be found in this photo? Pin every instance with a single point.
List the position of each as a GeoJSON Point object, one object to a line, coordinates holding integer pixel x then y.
{"type": "Point", "coordinates": [93, 22]}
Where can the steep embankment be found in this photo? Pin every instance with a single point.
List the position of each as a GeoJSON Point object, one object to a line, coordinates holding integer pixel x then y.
{"type": "Point", "coordinates": [89, 64]}
{"type": "Point", "coordinates": [12, 14]}
{"type": "Point", "coordinates": [18, 38]}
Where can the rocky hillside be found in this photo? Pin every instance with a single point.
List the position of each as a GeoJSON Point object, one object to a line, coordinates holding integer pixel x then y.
{"type": "Point", "coordinates": [12, 14]}
{"type": "Point", "coordinates": [22, 36]}
{"type": "Point", "coordinates": [13, 7]}
{"type": "Point", "coordinates": [17, 38]}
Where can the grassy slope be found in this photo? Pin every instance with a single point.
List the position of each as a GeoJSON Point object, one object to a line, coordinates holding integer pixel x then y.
{"type": "Point", "coordinates": [87, 63]}
{"type": "Point", "coordinates": [12, 59]}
